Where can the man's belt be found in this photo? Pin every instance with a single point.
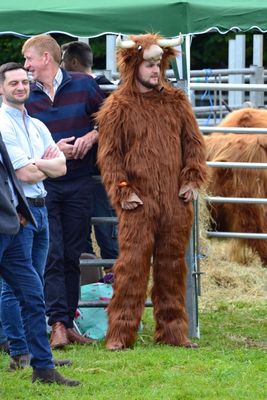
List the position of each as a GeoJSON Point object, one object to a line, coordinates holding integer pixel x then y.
{"type": "Point", "coordinates": [37, 201]}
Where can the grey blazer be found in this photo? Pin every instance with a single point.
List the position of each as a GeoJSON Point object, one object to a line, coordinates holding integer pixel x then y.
{"type": "Point", "coordinates": [9, 222]}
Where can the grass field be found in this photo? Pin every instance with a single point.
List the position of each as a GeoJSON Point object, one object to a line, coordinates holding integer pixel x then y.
{"type": "Point", "coordinates": [230, 364]}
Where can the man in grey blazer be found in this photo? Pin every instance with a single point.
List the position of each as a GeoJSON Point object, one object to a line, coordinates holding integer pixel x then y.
{"type": "Point", "coordinates": [17, 270]}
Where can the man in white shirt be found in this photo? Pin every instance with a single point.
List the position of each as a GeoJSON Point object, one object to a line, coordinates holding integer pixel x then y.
{"type": "Point", "coordinates": [34, 156]}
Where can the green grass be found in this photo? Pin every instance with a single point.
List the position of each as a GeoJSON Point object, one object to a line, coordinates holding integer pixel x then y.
{"type": "Point", "coordinates": [230, 364]}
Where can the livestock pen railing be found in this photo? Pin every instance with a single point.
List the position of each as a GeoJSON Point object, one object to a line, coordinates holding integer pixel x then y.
{"type": "Point", "coordinates": [237, 200]}
{"type": "Point", "coordinates": [211, 90]}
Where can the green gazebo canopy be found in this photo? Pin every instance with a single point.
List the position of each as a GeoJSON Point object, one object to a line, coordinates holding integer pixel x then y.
{"type": "Point", "coordinates": [91, 18]}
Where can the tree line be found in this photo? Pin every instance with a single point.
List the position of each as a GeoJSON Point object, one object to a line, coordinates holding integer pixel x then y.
{"type": "Point", "coordinates": [209, 50]}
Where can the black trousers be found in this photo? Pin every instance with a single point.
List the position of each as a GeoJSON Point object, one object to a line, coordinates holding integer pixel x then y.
{"type": "Point", "coordinates": [70, 207]}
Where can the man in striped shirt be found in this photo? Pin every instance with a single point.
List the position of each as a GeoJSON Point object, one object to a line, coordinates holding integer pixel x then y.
{"type": "Point", "coordinates": [65, 102]}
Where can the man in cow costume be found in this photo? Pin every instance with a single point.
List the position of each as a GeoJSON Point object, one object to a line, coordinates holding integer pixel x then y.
{"type": "Point", "coordinates": [152, 160]}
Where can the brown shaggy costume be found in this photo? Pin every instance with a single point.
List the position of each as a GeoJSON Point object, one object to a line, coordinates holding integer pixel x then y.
{"type": "Point", "coordinates": [152, 141]}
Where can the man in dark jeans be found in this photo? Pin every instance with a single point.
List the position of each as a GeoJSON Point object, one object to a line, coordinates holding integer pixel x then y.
{"type": "Point", "coordinates": [17, 270]}
{"type": "Point", "coordinates": [78, 57]}
{"type": "Point", "coordinates": [34, 156]}
{"type": "Point", "coordinates": [65, 102]}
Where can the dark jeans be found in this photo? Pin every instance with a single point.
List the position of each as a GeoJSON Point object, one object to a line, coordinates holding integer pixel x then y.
{"type": "Point", "coordinates": [70, 207]}
{"type": "Point", "coordinates": [17, 270]}
{"type": "Point", "coordinates": [3, 337]}
{"type": "Point", "coordinates": [106, 234]}
{"type": "Point", "coordinates": [36, 242]}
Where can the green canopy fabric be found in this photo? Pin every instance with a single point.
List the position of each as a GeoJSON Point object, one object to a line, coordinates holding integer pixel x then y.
{"type": "Point", "coordinates": [90, 18]}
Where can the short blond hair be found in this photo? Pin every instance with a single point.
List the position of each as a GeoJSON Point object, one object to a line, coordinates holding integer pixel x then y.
{"type": "Point", "coordinates": [43, 43]}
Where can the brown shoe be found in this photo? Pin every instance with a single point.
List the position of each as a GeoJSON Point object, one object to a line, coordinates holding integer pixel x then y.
{"type": "Point", "coordinates": [59, 337]}
{"type": "Point", "coordinates": [75, 337]}
{"type": "Point", "coordinates": [52, 376]}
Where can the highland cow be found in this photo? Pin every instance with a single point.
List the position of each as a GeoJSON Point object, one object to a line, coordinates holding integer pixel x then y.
{"type": "Point", "coordinates": [240, 182]}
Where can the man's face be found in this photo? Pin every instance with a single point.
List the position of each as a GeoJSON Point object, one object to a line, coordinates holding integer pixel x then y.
{"type": "Point", "coordinates": [148, 75]}
{"type": "Point", "coordinates": [15, 88]}
{"type": "Point", "coordinates": [35, 63]}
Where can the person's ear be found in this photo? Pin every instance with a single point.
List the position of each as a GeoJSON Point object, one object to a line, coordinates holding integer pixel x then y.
{"type": "Point", "coordinates": [74, 62]}
{"type": "Point", "coordinates": [46, 57]}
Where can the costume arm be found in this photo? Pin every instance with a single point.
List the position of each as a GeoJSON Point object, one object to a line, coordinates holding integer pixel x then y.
{"type": "Point", "coordinates": [111, 151]}
{"type": "Point", "coordinates": [194, 170]}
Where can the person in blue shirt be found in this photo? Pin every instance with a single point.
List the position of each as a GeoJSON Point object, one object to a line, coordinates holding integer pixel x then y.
{"type": "Point", "coordinates": [17, 270]}
{"type": "Point", "coordinates": [34, 156]}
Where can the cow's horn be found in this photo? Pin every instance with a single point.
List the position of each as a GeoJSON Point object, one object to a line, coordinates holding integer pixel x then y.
{"type": "Point", "coordinates": [171, 42]}
{"type": "Point", "coordinates": [124, 44]}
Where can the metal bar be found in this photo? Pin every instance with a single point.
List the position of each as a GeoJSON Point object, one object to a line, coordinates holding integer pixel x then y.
{"type": "Point", "coordinates": [222, 164]}
{"type": "Point", "coordinates": [215, 72]}
{"type": "Point", "coordinates": [241, 200]}
{"type": "Point", "coordinates": [206, 109]}
{"type": "Point", "coordinates": [104, 220]}
{"type": "Point", "coordinates": [201, 72]}
{"type": "Point", "coordinates": [237, 235]}
{"type": "Point", "coordinates": [197, 246]}
{"type": "Point", "coordinates": [97, 262]}
{"type": "Point", "coordinates": [103, 303]}
{"type": "Point", "coordinates": [228, 87]}
{"type": "Point", "coordinates": [211, 129]}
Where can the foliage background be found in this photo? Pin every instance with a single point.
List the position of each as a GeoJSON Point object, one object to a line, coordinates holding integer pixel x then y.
{"type": "Point", "coordinates": [208, 51]}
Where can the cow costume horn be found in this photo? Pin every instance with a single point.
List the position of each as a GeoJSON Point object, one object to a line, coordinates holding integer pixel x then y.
{"type": "Point", "coordinates": [171, 42]}
{"type": "Point", "coordinates": [124, 44]}
{"type": "Point", "coordinates": [128, 44]}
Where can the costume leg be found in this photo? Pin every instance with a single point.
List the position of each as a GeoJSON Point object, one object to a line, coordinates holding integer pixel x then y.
{"type": "Point", "coordinates": [169, 273]}
{"type": "Point", "coordinates": [131, 273]}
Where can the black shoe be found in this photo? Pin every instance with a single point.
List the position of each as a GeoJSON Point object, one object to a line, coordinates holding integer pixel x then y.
{"type": "Point", "coordinates": [4, 347]}
{"type": "Point", "coordinates": [52, 376]}
{"type": "Point", "coordinates": [19, 362]}
{"type": "Point", "coordinates": [62, 363]}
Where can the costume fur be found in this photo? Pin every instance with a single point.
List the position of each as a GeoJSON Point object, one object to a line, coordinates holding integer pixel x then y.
{"type": "Point", "coordinates": [152, 141]}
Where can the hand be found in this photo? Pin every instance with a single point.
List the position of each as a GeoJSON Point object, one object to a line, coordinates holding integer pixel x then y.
{"type": "Point", "coordinates": [51, 152]}
{"type": "Point", "coordinates": [66, 148]}
{"type": "Point", "coordinates": [188, 193]}
{"type": "Point", "coordinates": [22, 220]}
{"type": "Point", "coordinates": [132, 202]}
{"type": "Point", "coordinates": [83, 144]}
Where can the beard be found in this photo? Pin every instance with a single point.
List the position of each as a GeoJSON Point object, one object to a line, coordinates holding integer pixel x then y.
{"type": "Point", "coordinates": [147, 84]}
{"type": "Point", "coordinates": [15, 100]}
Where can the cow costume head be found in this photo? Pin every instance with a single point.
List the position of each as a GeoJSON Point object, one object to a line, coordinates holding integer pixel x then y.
{"type": "Point", "coordinates": [149, 47]}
